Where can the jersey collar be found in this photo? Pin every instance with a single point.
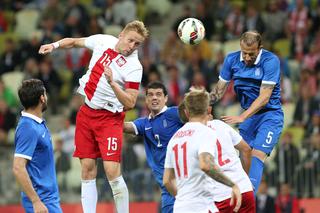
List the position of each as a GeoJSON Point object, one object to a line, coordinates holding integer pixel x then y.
{"type": "Point", "coordinates": [257, 59]}
{"type": "Point", "coordinates": [25, 114]}
{"type": "Point", "coordinates": [163, 109]}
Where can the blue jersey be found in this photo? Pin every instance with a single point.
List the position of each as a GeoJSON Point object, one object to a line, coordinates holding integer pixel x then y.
{"type": "Point", "coordinates": [33, 142]}
{"type": "Point", "coordinates": [247, 80]}
{"type": "Point", "coordinates": [157, 132]}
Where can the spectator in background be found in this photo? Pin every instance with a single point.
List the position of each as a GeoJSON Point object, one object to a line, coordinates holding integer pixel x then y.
{"type": "Point", "coordinates": [264, 202]}
{"type": "Point", "coordinates": [31, 68]}
{"type": "Point", "coordinates": [234, 23]}
{"type": "Point", "coordinates": [53, 10]}
{"type": "Point", "coordinates": [52, 82]}
{"type": "Point", "coordinates": [204, 15]}
{"type": "Point", "coordinates": [63, 163]}
{"type": "Point", "coordinates": [7, 121]}
{"type": "Point", "coordinates": [253, 20]}
{"type": "Point", "coordinates": [8, 96]}
{"type": "Point", "coordinates": [67, 135]}
{"type": "Point", "coordinates": [3, 21]}
{"type": "Point", "coordinates": [314, 126]}
{"type": "Point", "coordinates": [308, 177]}
{"type": "Point", "coordinates": [76, 19]}
{"type": "Point", "coordinates": [10, 57]}
{"type": "Point", "coordinates": [287, 159]}
{"type": "Point", "coordinates": [305, 107]}
{"type": "Point", "coordinates": [286, 202]}
{"type": "Point", "coordinates": [299, 23]}
{"type": "Point", "coordinates": [176, 85]}
{"type": "Point", "coordinates": [275, 21]}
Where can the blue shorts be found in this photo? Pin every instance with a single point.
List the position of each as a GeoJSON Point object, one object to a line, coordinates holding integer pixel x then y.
{"type": "Point", "coordinates": [52, 208]}
{"type": "Point", "coordinates": [167, 202]}
{"type": "Point", "coordinates": [262, 130]}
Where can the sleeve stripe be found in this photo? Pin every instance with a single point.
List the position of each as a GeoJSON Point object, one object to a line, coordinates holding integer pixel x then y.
{"type": "Point", "coordinates": [222, 79]}
{"type": "Point", "coordinates": [135, 128]}
{"type": "Point", "coordinates": [269, 82]}
{"type": "Point", "coordinates": [22, 156]}
{"type": "Point", "coordinates": [132, 85]}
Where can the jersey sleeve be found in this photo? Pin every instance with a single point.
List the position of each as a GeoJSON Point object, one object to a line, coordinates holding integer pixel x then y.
{"type": "Point", "coordinates": [92, 41]}
{"type": "Point", "coordinates": [25, 142]}
{"type": "Point", "coordinates": [208, 139]}
{"type": "Point", "coordinates": [168, 163]}
{"type": "Point", "coordinates": [271, 69]}
{"type": "Point", "coordinates": [226, 72]}
{"type": "Point", "coordinates": [139, 125]}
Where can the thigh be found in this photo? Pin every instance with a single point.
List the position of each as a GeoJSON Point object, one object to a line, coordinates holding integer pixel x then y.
{"type": "Point", "coordinates": [247, 130]}
{"type": "Point", "coordinates": [248, 203]}
{"type": "Point", "coordinates": [108, 132]}
{"type": "Point", "coordinates": [85, 144]}
{"type": "Point", "coordinates": [54, 208]}
{"type": "Point", "coordinates": [224, 206]}
{"type": "Point", "coordinates": [167, 202]}
{"type": "Point", "coordinates": [268, 133]}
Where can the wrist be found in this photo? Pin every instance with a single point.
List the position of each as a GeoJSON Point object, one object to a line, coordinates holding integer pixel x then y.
{"type": "Point", "coordinates": [55, 45]}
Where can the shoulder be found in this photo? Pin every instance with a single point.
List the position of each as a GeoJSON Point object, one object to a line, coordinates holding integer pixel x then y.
{"type": "Point", "coordinates": [101, 40]}
{"type": "Point", "coordinates": [267, 55]}
{"type": "Point", "coordinates": [233, 56]}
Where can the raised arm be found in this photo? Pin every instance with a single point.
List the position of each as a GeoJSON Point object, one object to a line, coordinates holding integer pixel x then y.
{"type": "Point", "coordinates": [245, 153]}
{"type": "Point", "coordinates": [218, 91]}
{"type": "Point", "coordinates": [206, 163]}
{"type": "Point", "coordinates": [63, 43]}
{"type": "Point", "coordinates": [169, 181]}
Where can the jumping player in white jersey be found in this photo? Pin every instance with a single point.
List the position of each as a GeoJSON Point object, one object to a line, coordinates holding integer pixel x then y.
{"type": "Point", "coordinates": [190, 160]}
{"type": "Point", "coordinates": [109, 87]}
{"type": "Point", "coordinates": [229, 162]}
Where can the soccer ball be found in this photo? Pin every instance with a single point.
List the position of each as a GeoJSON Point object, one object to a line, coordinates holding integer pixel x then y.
{"type": "Point", "coordinates": [191, 31]}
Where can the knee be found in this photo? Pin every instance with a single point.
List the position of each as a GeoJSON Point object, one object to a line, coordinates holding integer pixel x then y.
{"type": "Point", "coordinates": [112, 170]}
{"type": "Point", "coordinates": [88, 171]}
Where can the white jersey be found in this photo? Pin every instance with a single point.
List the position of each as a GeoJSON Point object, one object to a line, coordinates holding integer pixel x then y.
{"type": "Point", "coordinates": [228, 160]}
{"type": "Point", "coordinates": [184, 148]}
{"type": "Point", "coordinates": [94, 86]}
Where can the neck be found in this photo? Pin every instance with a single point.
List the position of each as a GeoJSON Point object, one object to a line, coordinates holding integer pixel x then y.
{"type": "Point", "coordinates": [35, 111]}
{"type": "Point", "coordinates": [201, 119]}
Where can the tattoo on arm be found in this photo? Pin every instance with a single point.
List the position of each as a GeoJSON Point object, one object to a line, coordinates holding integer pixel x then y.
{"type": "Point", "coordinates": [218, 91]}
{"type": "Point", "coordinates": [214, 172]}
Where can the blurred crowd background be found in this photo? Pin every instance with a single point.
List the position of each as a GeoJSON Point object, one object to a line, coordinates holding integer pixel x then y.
{"type": "Point", "coordinates": [290, 28]}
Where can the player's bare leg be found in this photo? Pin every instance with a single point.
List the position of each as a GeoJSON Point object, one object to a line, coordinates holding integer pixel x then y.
{"type": "Point", "coordinates": [118, 185]}
{"type": "Point", "coordinates": [89, 194]}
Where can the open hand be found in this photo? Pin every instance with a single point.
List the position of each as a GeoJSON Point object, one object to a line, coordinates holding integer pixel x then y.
{"type": "Point", "coordinates": [232, 119]}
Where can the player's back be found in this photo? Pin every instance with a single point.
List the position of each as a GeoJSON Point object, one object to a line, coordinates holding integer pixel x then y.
{"type": "Point", "coordinates": [228, 160]}
{"type": "Point", "coordinates": [193, 191]}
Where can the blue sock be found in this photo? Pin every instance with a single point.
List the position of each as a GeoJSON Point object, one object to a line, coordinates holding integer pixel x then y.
{"type": "Point", "coordinates": [255, 173]}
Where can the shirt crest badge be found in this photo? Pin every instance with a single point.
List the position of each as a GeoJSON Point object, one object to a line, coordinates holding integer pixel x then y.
{"type": "Point", "coordinates": [257, 72]}
{"type": "Point", "coordinates": [121, 61]}
{"type": "Point", "coordinates": [164, 123]}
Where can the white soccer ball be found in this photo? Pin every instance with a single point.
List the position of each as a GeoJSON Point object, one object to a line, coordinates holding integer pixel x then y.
{"type": "Point", "coordinates": [191, 31]}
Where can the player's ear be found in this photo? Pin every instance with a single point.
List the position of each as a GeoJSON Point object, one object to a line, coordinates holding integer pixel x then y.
{"type": "Point", "coordinates": [166, 98]}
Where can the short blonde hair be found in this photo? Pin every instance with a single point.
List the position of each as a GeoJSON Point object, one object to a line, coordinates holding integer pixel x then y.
{"type": "Point", "coordinates": [137, 26]}
{"type": "Point", "coordinates": [197, 102]}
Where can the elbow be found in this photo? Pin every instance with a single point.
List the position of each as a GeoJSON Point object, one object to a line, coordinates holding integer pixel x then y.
{"type": "Point", "coordinates": [16, 170]}
{"type": "Point", "coordinates": [130, 105]}
{"type": "Point", "coordinates": [166, 182]}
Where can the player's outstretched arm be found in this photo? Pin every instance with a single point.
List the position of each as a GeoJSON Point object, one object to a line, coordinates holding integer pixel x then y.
{"type": "Point", "coordinates": [23, 178]}
{"type": "Point", "coordinates": [169, 181]}
{"type": "Point", "coordinates": [245, 153]}
{"type": "Point", "coordinates": [206, 163]}
{"type": "Point", "coordinates": [218, 91]}
{"type": "Point", "coordinates": [63, 43]}
{"type": "Point", "coordinates": [128, 128]}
